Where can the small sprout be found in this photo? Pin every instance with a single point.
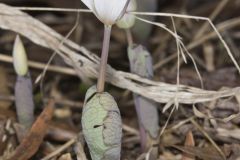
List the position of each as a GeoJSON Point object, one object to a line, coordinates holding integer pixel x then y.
{"type": "Point", "coordinates": [23, 87]}
{"type": "Point", "coordinates": [128, 20]}
{"type": "Point", "coordinates": [141, 64]}
{"type": "Point", "coordinates": [102, 125]}
{"type": "Point", "coordinates": [107, 11]}
{"type": "Point", "coordinates": [20, 58]}
{"type": "Point", "coordinates": [24, 100]}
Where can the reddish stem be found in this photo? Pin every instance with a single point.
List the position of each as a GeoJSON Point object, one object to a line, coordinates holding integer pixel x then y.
{"type": "Point", "coordinates": [104, 58]}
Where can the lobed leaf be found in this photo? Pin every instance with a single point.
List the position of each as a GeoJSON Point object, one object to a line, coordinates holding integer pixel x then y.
{"type": "Point", "coordinates": [102, 125]}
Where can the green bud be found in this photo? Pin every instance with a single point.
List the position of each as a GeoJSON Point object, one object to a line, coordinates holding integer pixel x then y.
{"type": "Point", "coordinates": [128, 20]}
{"type": "Point", "coordinates": [102, 125]}
{"type": "Point", "coordinates": [19, 58]}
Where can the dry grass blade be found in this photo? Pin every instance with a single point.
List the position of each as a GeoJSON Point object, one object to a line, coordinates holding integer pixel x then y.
{"type": "Point", "coordinates": [217, 148]}
{"type": "Point", "coordinates": [53, 9]}
{"type": "Point", "coordinates": [86, 64]}
{"type": "Point", "coordinates": [60, 149]}
{"type": "Point", "coordinates": [66, 157]}
{"type": "Point", "coordinates": [34, 138]}
{"type": "Point", "coordinates": [203, 153]}
{"type": "Point", "coordinates": [79, 150]}
{"type": "Point", "coordinates": [41, 66]}
{"type": "Point", "coordinates": [214, 14]}
{"type": "Point", "coordinates": [196, 18]}
{"type": "Point", "coordinates": [223, 26]}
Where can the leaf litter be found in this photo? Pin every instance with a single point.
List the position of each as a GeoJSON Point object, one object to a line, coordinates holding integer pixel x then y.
{"type": "Point", "coordinates": [158, 91]}
{"type": "Point", "coordinates": [33, 139]}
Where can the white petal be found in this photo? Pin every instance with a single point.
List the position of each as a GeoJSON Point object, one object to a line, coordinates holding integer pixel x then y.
{"type": "Point", "coordinates": [132, 6]}
{"type": "Point", "coordinates": [109, 11]}
{"type": "Point", "coordinates": [89, 4]}
{"type": "Point", "coordinates": [128, 20]}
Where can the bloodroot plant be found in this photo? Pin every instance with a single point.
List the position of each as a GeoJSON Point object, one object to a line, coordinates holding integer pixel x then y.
{"type": "Point", "coordinates": [147, 112]}
{"type": "Point", "coordinates": [101, 119]}
{"type": "Point", "coordinates": [141, 64]}
{"type": "Point", "coordinates": [23, 87]}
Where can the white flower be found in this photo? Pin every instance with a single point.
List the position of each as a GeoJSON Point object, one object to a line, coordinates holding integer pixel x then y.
{"type": "Point", "coordinates": [19, 58]}
{"type": "Point", "coordinates": [107, 11]}
{"type": "Point", "coordinates": [128, 20]}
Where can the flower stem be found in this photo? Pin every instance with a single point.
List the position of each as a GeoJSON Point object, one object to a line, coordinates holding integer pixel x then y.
{"type": "Point", "coordinates": [104, 58]}
{"type": "Point", "coordinates": [129, 37]}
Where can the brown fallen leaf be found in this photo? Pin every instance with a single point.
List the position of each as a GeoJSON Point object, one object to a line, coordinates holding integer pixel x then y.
{"type": "Point", "coordinates": [189, 141]}
{"type": "Point", "coordinates": [55, 132]}
{"type": "Point", "coordinates": [207, 153]}
{"type": "Point", "coordinates": [34, 137]}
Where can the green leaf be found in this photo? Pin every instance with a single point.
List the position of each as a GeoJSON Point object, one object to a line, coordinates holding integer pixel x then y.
{"type": "Point", "coordinates": [102, 125]}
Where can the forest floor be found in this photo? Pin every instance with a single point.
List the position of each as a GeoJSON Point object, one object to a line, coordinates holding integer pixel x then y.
{"type": "Point", "coordinates": [208, 131]}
